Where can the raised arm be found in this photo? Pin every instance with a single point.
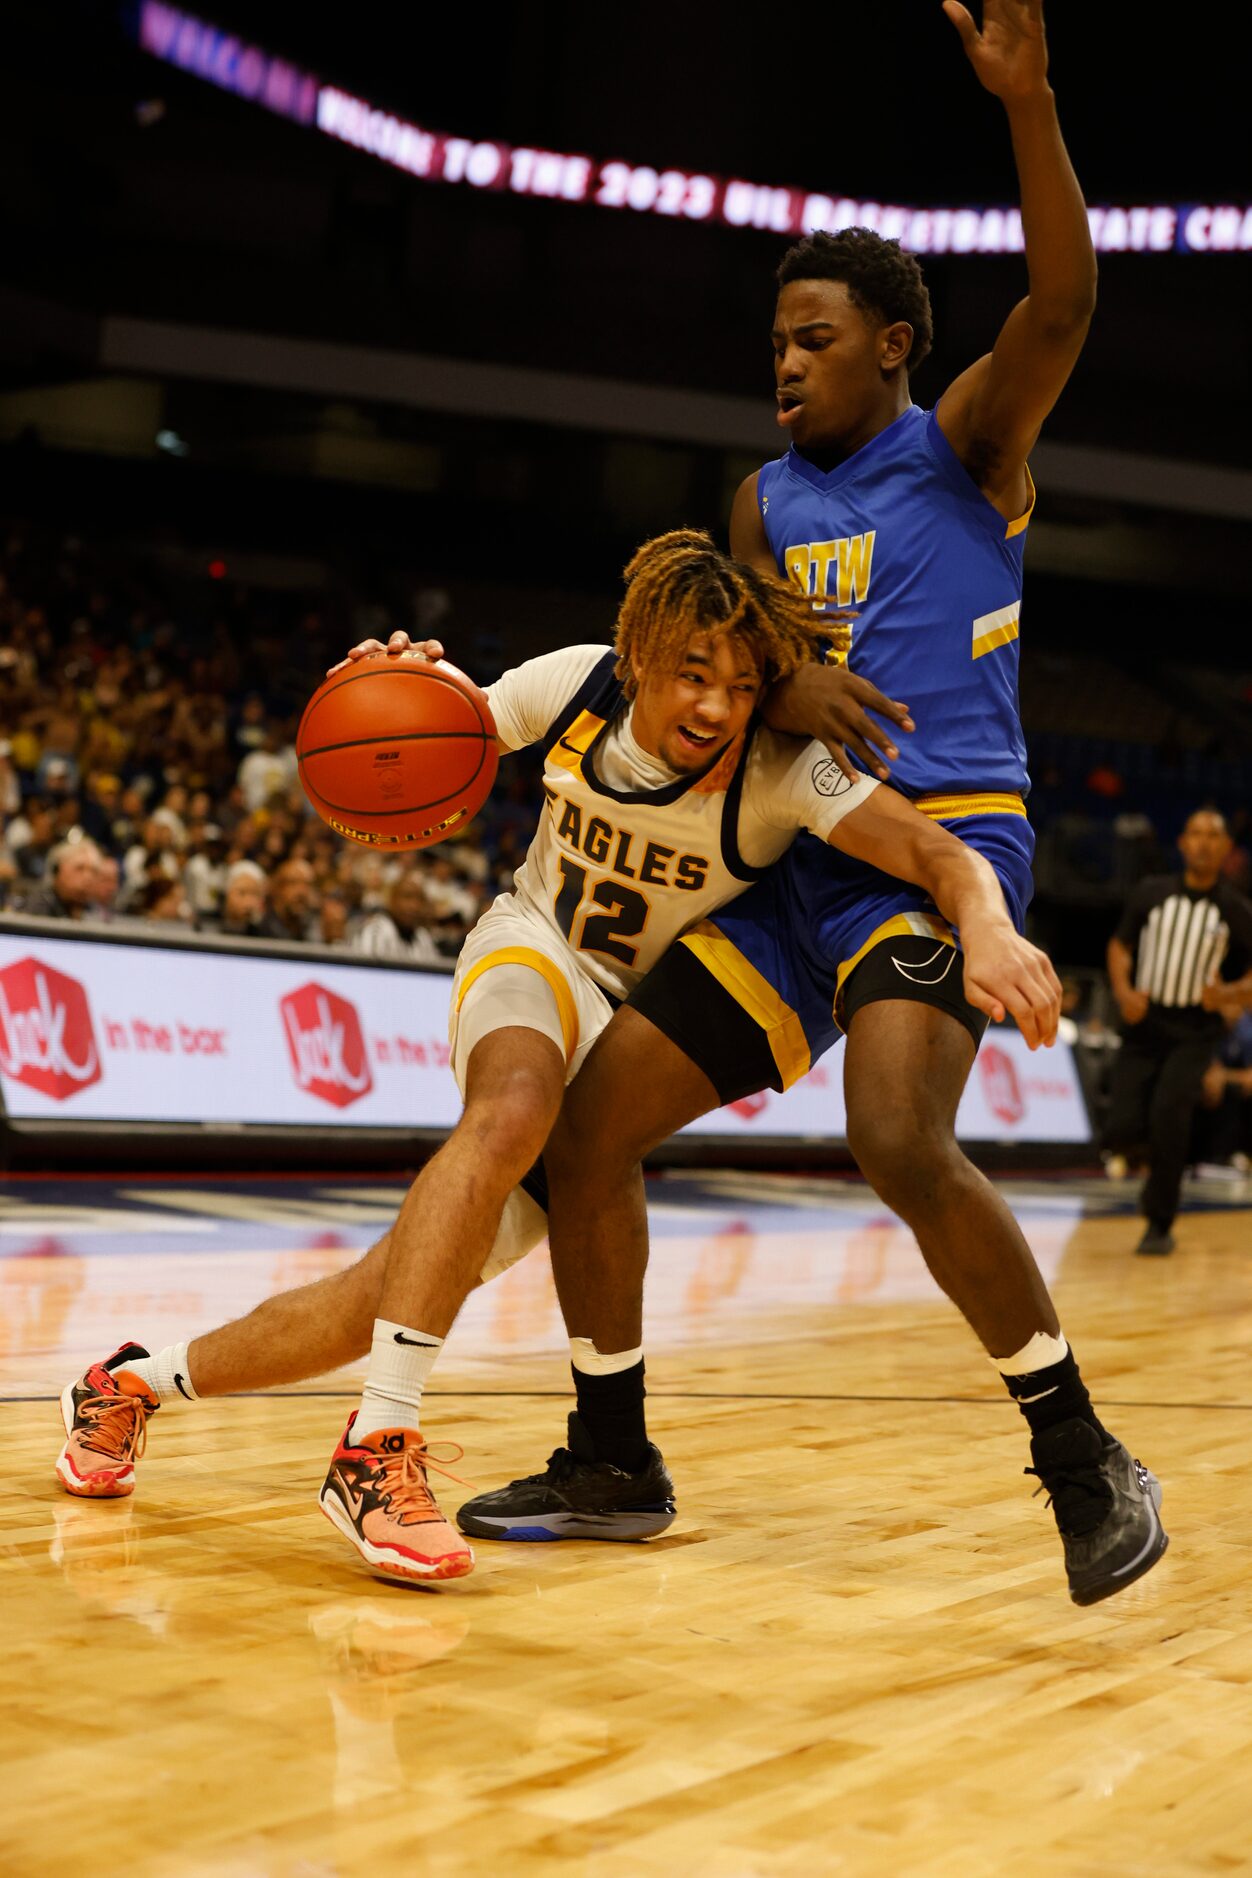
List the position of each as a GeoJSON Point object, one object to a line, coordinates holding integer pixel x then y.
{"type": "Point", "coordinates": [1004, 973]}
{"type": "Point", "coordinates": [992, 413]}
{"type": "Point", "coordinates": [823, 701]}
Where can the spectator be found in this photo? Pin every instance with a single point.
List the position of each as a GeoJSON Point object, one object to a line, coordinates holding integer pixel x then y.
{"type": "Point", "coordinates": [1223, 1135]}
{"type": "Point", "coordinates": [30, 837]}
{"type": "Point", "coordinates": [293, 903]}
{"type": "Point", "coordinates": [160, 837]}
{"type": "Point", "coordinates": [242, 914]}
{"type": "Point", "coordinates": [1180, 959]}
{"type": "Point", "coordinates": [400, 932]}
{"type": "Point", "coordinates": [204, 874]}
{"type": "Point", "coordinates": [269, 771]}
{"type": "Point", "coordinates": [102, 806]}
{"type": "Point", "coordinates": [163, 902]}
{"type": "Point", "coordinates": [70, 889]}
{"type": "Point", "coordinates": [10, 787]}
{"type": "Point", "coordinates": [450, 896]}
{"type": "Point", "coordinates": [332, 917]}
{"type": "Point", "coordinates": [108, 884]}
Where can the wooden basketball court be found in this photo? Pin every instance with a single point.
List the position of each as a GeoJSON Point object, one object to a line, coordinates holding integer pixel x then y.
{"type": "Point", "coordinates": [853, 1653]}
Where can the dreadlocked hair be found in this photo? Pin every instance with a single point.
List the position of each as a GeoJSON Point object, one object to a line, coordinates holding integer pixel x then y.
{"type": "Point", "coordinates": [678, 584]}
{"type": "Point", "coordinates": [881, 279]}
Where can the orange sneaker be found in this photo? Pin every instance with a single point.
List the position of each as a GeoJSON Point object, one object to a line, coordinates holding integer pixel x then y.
{"type": "Point", "coordinates": [377, 1494]}
{"type": "Point", "coordinates": [106, 1425]}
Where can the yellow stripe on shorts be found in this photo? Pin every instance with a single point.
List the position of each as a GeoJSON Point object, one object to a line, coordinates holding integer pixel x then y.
{"type": "Point", "coordinates": [567, 1010]}
{"type": "Point", "coordinates": [949, 808]}
{"type": "Point", "coordinates": [918, 925]}
{"type": "Point", "coordinates": [783, 1030]}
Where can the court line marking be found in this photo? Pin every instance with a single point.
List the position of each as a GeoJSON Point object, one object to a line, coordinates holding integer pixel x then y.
{"type": "Point", "coordinates": [666, 1395]}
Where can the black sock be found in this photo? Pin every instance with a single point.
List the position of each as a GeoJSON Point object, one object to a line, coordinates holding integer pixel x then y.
{"type": "Point", "coordinates": [1052, 1395]}
{"type": "Point", "coordinates": [611, 1410]}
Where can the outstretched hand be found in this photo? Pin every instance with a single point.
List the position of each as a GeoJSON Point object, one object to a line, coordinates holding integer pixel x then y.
{"type": "Point", "coordinates": [1010, 54]}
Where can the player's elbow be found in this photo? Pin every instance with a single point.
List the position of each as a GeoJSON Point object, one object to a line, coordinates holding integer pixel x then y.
{"type": "Point", "coordinates": [1063, 316]}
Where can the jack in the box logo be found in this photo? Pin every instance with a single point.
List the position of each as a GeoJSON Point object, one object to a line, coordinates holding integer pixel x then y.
{"type": "Point", "coordinates": [1000, 1084]}
{"type": "Point", "coordinates": [327, 1045]}
{"type": "Point", "coordinates": [46, 1035]}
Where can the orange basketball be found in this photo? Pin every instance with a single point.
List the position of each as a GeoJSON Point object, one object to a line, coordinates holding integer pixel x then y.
{"type": "Point", "coordinates": [396, 752]}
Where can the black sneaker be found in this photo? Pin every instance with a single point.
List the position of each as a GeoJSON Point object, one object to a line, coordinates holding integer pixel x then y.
{"type": "Point", "coordinates": [1106, 1506]}
{"type": "Point", "coordinates": [576, 1497]}
{"type": "Point", "coordinates": [1156, 1243]}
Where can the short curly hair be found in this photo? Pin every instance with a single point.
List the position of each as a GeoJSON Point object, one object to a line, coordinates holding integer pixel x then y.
{"type": "Point", "coordinates": [881, 279]}
{"type": "Point", "coordinates": [679, 584]}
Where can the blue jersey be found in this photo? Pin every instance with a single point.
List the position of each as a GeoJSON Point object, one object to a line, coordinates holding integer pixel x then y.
{"type": "Point", "coordinates": [901, 533]}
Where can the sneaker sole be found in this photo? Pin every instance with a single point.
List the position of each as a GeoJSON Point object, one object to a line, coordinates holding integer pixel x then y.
{"type": "Point", "coordinates": [385, 1564]}
{"type": "Point", "coordinates": [1153, 1551]}
{"type": "Point", "coordinates": [535, 1529]}
{"type": "Point", "coordinates": [114, 1485]}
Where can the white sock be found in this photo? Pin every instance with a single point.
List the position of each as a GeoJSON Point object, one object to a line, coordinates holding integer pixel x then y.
{"type": "Point", "coordinates": [167, 1374]}
{"type": "Point", "coordinates": [585, 1357]}
{"type": "Point", "coordinates": [400, 1361]}
{"type": "Point", "coordinates": [1040, 1353]}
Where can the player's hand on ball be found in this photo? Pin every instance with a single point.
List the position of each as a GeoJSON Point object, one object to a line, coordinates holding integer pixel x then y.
{"type": "Point", "coordinates": [398, 646]}
{"type": "Point", "coordinates": [1006, 976]}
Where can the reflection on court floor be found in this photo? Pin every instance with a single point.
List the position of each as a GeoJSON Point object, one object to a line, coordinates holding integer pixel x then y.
{"type": "Point", "coordinates": [87, 1264]}
{"type": "Point", "coordinates": [83, 1267]}
{"type": "Point", "coordinates": [852, 1652]}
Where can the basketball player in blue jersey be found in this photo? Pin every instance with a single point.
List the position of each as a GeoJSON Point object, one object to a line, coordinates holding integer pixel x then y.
{"type": "Point", "coordinates": [664, 797]}
{"type": "Point", "coordinates": [915, 522]}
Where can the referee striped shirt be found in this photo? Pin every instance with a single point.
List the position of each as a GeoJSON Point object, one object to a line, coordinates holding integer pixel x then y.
{"type": "Point", "coordinates": [1185, 937]}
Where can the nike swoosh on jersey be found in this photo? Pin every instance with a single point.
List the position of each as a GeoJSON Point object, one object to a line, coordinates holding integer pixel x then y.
{"type": "Point", "coordinates": [918, 973]}
{"type": "Point", "coordinates": [565, 744]}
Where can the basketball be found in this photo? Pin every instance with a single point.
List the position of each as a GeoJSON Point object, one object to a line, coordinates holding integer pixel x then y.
{"type": "Point", "coordinates": [397, 752]}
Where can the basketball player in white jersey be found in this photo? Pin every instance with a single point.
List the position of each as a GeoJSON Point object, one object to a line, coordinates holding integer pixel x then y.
{"type": "Point", "coordinates": [665, 798]}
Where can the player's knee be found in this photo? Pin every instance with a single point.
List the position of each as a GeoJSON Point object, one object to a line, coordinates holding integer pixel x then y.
{"type": "Point", "coordinates": [589, 1139]}
{"type": "Point", "coordinates": [509, 1126]}
{"type": "Point", "coordinates": [903, 1161]}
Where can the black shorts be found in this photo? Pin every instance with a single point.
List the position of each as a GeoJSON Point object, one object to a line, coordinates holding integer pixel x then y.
{"type": "Point", "coordinates": [732, 1044]}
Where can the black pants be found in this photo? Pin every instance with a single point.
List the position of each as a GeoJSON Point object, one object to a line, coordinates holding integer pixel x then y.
{"type": "Point", "coordinates": [1225, 1131]}
{"type": "Point", "coordinates": [1154, 1090]}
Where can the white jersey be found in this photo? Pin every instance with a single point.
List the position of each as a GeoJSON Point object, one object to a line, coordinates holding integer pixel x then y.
{"type": "Point", "coordinates": [629, 853]}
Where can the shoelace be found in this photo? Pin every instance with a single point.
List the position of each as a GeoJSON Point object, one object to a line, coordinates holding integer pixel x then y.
{"type": "Point", "coordinates": [1079, 1495]}
{"type": "Point", "coordinates": [561, 1464]}
{"type": "Point", "coordinates": [118, 1426]}
{"type": "Point", "coordinates": [404, 1479]}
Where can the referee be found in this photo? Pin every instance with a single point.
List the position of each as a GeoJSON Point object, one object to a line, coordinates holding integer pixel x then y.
{"type": "Point", "coordinates": [1181, 956]}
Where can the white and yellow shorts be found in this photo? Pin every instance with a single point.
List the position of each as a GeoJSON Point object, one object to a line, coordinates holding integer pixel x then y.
{"type": "Point", "coordinates": [516, 971]}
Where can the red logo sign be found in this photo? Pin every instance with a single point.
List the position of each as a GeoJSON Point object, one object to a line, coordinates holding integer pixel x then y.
{"type": "Point", "coordinates": [749, 1107]}
{"type": "Point", "coordinates": [1000, 1084]}
{"type": "Point", "coordinates": [46, 1037]}
{"type": "Point", "coordinates": [326, 1044]}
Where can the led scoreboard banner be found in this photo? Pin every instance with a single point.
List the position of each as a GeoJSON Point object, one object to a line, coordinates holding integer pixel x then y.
{"type": "Point", "coordinates": [104, 1029]}
{"type": "Point", "coordinates": [239, 66]}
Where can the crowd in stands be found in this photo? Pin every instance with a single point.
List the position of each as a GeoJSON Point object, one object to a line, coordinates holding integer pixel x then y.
{"type": "Point", "coordinates": [147, 773]}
